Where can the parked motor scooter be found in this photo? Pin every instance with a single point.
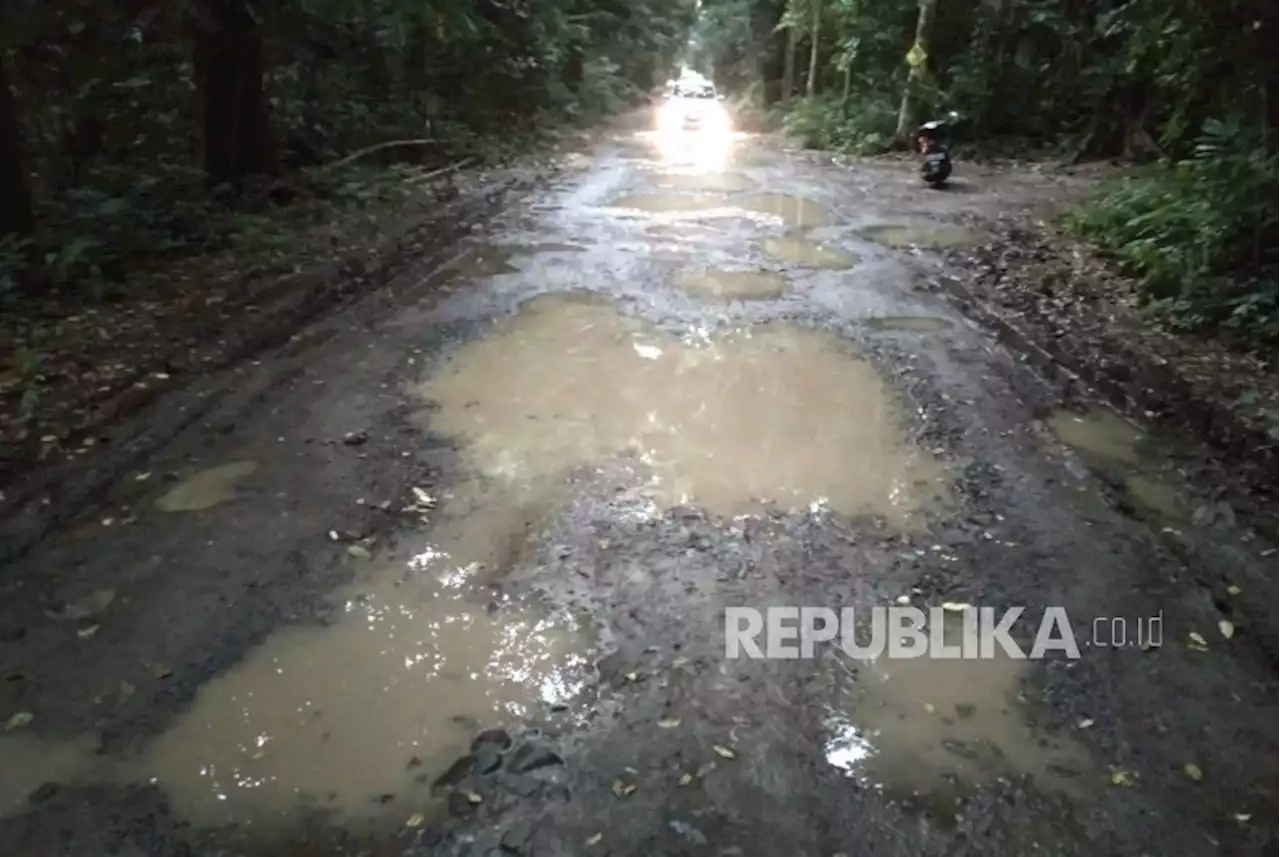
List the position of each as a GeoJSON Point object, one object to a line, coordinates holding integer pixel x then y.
{"type": "Point", "coordinates": [935, 152]}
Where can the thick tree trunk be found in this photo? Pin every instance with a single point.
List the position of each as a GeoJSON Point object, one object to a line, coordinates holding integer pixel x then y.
{"type": "Point", "coordinates": [909, 114]}
{"type": "Point", "coordinates": [235, 133]}
{"type": "Point", "coordinates": [789, 66]}
{"type": "Point", "coordinates": [15, 197]}
{"type": "Point", "coordinates": [811, 85]}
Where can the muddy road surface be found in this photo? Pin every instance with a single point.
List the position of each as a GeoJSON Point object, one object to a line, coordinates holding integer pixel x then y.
{"type": "Point", "coordinates": [449, 575]}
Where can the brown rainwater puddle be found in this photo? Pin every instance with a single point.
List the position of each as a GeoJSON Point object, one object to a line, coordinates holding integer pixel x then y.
{"type": "Point", "coordinates": [774, 413]}
{"type": "Point", "coordinates": [725, 182]}
{"type": "Point", "coordinates": [1098, 434]}
{"type": "Point", "coordinates": [1111, 444]}
{"type": "Point", "coordinates": [745, 285]}
{"type": "Point", "coordinates": [935, 238]}
{"type": "Point", "coordinates": [28, 762]}
{"type": "Point", "coordinates": [806, 253]}
{"type": "Point", "coordinates": [362, 715]}
{"type": "Point", "coordinates": [929, 726]}
{"type": "Point", "coordinates": [910, 323]}
{"type": "Point", "coordinates": [791, 210]}
{"type": "Point", "coordinates": [206, 488]}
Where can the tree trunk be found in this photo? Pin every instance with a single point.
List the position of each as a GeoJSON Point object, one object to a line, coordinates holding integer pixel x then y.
{"type": "Point", "coordinates": [15, 197]}
{"type": "Point", "coordinates": [848, 84]}
{"type": "Point", "coordinates": [235, 132]}
{"type": "Point", "coordinates": [811, 85]}
{"type": "Point", "coordinates": [789, 66]}
{"type": "Point", "coordinates": [908, 115]}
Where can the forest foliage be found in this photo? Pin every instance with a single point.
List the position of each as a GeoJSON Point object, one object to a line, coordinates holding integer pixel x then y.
{"type": "Point", "coordinates": [135, 132]}
{"type": "Point", "coordinates": [1186, 88]}
{"type": "Point", "coordinates": [139, 131]}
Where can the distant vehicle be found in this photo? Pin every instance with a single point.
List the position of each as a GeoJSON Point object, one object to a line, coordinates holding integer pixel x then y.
{"type": "Point", "coordinates": [694, 105]}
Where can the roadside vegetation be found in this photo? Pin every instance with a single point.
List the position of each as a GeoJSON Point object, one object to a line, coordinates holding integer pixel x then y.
{"type": "Point", "coordinates": [136, 135]}
{"type": "Point", "coordinates": [1185, 89]}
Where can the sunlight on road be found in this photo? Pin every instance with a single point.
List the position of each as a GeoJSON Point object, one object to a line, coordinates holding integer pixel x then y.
{"type": "Point", "coordinates": [706, 150]}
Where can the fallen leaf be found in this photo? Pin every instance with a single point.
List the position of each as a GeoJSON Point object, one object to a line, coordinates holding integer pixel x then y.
{"type": "Point", "coordinates": [473, 798]}
{"type": "Point", "coordinates": [668, 722]}
{"type": "Point", "coordinates": [17, 721]}
{"type": "Point", "coordinates": [632, 676]}
{"type": "Point", "coordinates": [126, 689]}
{"type": "Point", "coordinates": [603, 544]}
{"type": "Point", "coordinates": [904, 600]}
{"type": "Point", "coordinates": [1084, 724]}
{"type": "Point", "coordinates": [954, 606]}
{"type": "Point", "coordinates": [1121, 778]}
{"type": "Point", "coordinates": [141, 477]}
{"type": "Point", "coordinates": [929, 708]}
{"type": "Point", "coordinates": [685, 779]}
{"type": "Point", "coordinates": [87, 632]}
{"type": "Point", "coordinates": [415, 820]}
{"type": "Point", "coordinates": [423, 497]}
{"type": "Point", "coordinates": [724, 752]}
{"type": "Point", "coordinates": [334, 537]}
{"type": "Point", "coordinates": [83, 608]}
{"type": "Point", "coordinates": [1228, 630]}
{"type": "Point", "coordinates": [621, 789]}
{"type": "Point", "coordinates": [358, 552]}
{"type": "Point", "coordinates": [1233, 590]}
{"type": "Point", "coordinates": [1242, 817]}
{"type": "Point", "coordinates": [593, 840]}
{"type": "Point", "coordinates": [704, 769]}
{"type": "Point", "coordinates": [1193, 771]}
{"type": "Point", "coordinates": [1197, 642]}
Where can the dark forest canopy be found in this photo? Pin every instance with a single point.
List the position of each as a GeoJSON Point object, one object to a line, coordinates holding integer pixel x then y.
{"type": "Point", "coordinates": [128, 131]}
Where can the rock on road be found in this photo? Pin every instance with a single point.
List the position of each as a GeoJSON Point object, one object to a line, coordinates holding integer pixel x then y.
{"type": "Point", "coordinates": [449, 575]}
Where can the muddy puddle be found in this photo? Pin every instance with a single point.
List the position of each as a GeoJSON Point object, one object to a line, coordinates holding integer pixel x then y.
{"type": "Point", "coordinates": [1110, 444]}
{"type": "Point", "coordinates": [793, 211]}
{"type": "Point", "coordinates": [807, 254]}
{"type": "Point", "coordinates": [909, 323]}
{"type": "Point", "coordinates": [934, 238]}
{"type": "Point", "coordinates": [930, 726]}
{"type": "Point", "coordinates": [775, 413]}
{"type": "Point", "coordinates": [206, 488]}
{"type": "Point", "coordinates": [741, 285]}
{"type": "Point", "coordinates": [28, 762]}
{"type": "Point", "coordinates": [361, 716]}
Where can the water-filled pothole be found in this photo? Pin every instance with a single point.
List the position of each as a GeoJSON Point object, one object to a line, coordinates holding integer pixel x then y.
{"type": "Point", "coordinates": [934, 238]}
{"type": "Point", "coordinates": [360, 716]}
{"type": "Point", "coordinates": [910, 323]}
{"type": "Point", "coordinates": [935, 726]}
{"type": "Point", "coordinates": [1111, 445]}
{"type": "Point", "coordinates": [206, 488]}
{"type": "Point", "coordinates": [776, 413]}
{"type": "Point", "coordinates": [807, 254]}
{"type": "Point", "coordinates": [743, 285]}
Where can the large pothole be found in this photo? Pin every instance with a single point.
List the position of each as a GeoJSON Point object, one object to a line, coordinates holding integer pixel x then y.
{"type": "Point", "coordinates": [774, 414]}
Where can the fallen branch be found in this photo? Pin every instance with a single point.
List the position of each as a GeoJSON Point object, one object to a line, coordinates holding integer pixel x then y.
{"type": "Point", "coordinates": [426, 177]}
{"type": "Point", "coordinates": [390, 144]}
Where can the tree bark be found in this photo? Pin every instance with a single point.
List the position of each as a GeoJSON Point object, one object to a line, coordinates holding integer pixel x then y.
{"type": "Point", "coordinates": [811, 85]}
{"type": "Point", "coordinates": [15, 197]}
{"type": "Point", "coordinates": [789, 66]}
{"type": "Point", "coordinates": [908, 115]}
{"type": "Point", "coordinates": [235, 133]}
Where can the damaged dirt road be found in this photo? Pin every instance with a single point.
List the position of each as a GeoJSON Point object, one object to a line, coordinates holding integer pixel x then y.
{"type": "Point", "coordinates": [452, 578]}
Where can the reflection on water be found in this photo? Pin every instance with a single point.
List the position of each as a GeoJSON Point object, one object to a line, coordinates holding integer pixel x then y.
{"type": "Point", "coordinates": [354, 716]}
{"type": "Point", "coordinates": [927, 725]}
{"type": "Point", "coordinates": [774, 413]}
